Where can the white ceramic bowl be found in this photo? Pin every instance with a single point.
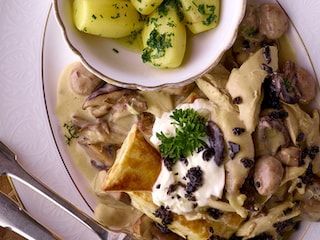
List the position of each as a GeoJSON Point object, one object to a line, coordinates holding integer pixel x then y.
{"type": "Point", "coordinates": [126, 68]}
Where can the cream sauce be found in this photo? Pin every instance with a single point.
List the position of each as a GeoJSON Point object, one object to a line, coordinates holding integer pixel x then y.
{"type": "Point", "coordinates": [109, 211]}
{"type": "Point", "coordinates": [68, 105]}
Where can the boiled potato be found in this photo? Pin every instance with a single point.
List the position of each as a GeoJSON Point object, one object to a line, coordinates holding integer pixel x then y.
{"type": "Point", "coordinates": [106, 18]}
{"type": "Point", "coordinates": [164, 37]}
{"type": "Point", "coordinates": [200, 15]}
{"type": "Point", "coordinates": [146, 7]}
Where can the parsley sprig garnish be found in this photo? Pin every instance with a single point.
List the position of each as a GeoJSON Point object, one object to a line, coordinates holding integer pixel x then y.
{"type": "Point", "coordinates": [191, 128]}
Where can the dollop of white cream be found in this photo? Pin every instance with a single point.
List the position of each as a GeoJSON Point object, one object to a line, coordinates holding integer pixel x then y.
{"type": "Point", "coordinates": [213, 177]}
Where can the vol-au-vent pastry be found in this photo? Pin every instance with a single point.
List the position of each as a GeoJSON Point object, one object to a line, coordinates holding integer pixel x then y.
{"type": "Point", "coordinates": [136, 167]}
{"type": "Point", "coordinates": [135, 171]}
{"type": "Point", "coordinates": [191, 229]}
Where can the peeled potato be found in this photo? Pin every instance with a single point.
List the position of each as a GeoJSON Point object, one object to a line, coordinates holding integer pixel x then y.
{"type": "Point", "coordinates": [146, 7]}
{"type": "Point", "coordinates": [106, 18]}
{"type": "Point", "coordinates": [200, 15]}
{"type": "Point", "coordinates": [164, 38]}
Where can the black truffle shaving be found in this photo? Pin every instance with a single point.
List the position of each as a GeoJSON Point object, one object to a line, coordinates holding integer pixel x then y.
{"type": "Point", "coordinates": [173, 187]}
{"type": "Point", "coordinates": [271, 97]}
{"type": "Point", "coordinates": [308, 177]}
{"type": "Point", "coordinates": [195, 176]}
{"type": "Point", "coordinates": [266, 68]}
{"type": "Point", "coordinates": [313, 151]}
{"type": "Point", "coordinates": [284, 226]}
{"type": "Point", "coordinates": [278, 114]}
{"type": "Point", "coordinates": [234, 149]}
{"type": "Point", "coordinates": [247, 162]}
{"type": "Point", "coordinates": [184, 160]}
{"type": "Point", "coordinates": [300, 137]}
{"type": "Point", "coordinates": [287, 211]}
{"type": "Point", "coordinates": [266, 54]}
{"type": "Point", "coordinates": [216, 237]}
{"type": "Point", "coordinates": [212, 236]}
{"type": "Point", "coordinates": [237, 100]}
{"type": "Point", "coordinates": [214, 213]}
{"type": "Point", "coordinates": [308, 152]}
{"type": "Point", "coordinates": [162, 228]}
{"type": "Point", "coordinates": [164, 214]}
{"type": "Point", "coordinates": [168, 162]}
{"type": "Point", "coordinates": [238, 131]}
{"type": "Point", "coordinates": [262, 236]}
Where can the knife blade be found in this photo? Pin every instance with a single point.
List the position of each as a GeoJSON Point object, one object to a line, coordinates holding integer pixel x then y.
{"type": "Point", "coordinates": [19, 221]}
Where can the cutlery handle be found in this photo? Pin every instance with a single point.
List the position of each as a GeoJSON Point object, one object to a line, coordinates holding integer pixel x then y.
{"type": "Point", "coordinates": [9, 166]}
{"type": "Point", "coordinates": [12, 216]}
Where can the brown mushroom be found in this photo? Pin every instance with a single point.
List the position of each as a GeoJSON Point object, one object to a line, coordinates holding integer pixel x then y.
{"type": "Point", "coordinates": [285, 87]}
{"type": "Point", "coordinates": [303, 80]}
{"type": "Point", "coordinates": [249, 25]}
{"type": "Point", "coordinates": [273, 22]}
{"type": "Point", "coordinates": [103, 99]}
{"type": "Point", "coordinates": [290, 156]}
{"type": "Point", "coordinates": [270, 135]}
{"type": "Point", "coordinates": [145, 124]}
{"type": "Point", "coordinates": [82, 81]}
{"type": "Point", "coordinates": [268, 173]}
{"type": "Point", "coordinates": [100, 153]}
{"type": "Point", "coordinates": [216, 141]}
{"type": "Point", "coordinates": [131, 101]}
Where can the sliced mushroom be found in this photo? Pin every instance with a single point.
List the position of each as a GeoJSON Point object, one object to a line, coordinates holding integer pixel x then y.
{"type": "Point", "coordinates": [285, 87]}
{"type": "Point", "coordinates": [102, 100]}
{"type": "Point", "coordinates": [82, 81]}
{"type": "Point", "coordinates": [216, 141]}
{"type": "Point", "coordinates": [100, 133]}
{"type": "Point", "coordinates": [304, 81]}
{"type": "Point", "coordinates": [270, 135]}
{"type": "Point", "coordinates": [81, 122]}
{"type": "Point", "coordinates": [132, 102]}
{"type": "Point", "coordinates": [103, 89]}
{"type": "Point", "coordinates": [268, 173]}
{"type": "Point", "coordinates": [145, 124]}
{"type": "Point", "coordinates": [290, 156]}
{"type": "Point", "coordinates": [100, 153]}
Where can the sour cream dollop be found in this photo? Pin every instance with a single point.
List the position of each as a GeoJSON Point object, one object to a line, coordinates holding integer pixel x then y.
{"type": "Point", "coordinates": [170, 187]}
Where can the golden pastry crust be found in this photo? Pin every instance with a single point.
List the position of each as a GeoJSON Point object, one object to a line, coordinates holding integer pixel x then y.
{"type": "Point", "coordinates": [136, 167]}
{"type": "Point", "coordinates": [190, 229]}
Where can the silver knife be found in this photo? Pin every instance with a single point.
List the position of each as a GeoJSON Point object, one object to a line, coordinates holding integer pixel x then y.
{"type": "Point", "coordinates": [10, 166]}
{"type": "Point", "coordinates": [15, 218]}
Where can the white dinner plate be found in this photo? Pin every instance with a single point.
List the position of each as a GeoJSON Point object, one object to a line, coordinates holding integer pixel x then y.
{"type": "Point", "coordinates": [32, 55]}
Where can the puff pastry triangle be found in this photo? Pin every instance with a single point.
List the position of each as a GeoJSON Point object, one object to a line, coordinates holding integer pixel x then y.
{"type": "Point", "coordinates": [136, 167]}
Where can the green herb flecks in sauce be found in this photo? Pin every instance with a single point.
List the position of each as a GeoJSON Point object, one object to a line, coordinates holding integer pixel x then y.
{"type": "Point", "coordinates": [72, 132]}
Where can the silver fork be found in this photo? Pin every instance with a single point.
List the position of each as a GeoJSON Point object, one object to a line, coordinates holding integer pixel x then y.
{"type": "Point", "coordinates": [10, 166]}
